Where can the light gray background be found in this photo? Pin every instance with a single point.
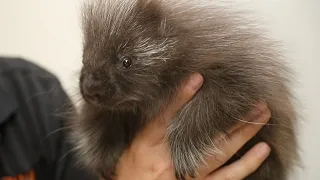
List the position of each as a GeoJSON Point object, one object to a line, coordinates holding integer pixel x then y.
{"type": "Point", "coordinates": [48, 33]}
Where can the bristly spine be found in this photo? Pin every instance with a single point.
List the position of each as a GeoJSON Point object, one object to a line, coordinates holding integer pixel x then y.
{"type": "Point", "coordinates": [166, 41]}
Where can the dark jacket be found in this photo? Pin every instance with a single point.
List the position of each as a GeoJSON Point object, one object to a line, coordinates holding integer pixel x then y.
{"type": "Point", "coordinates": [32, 112]}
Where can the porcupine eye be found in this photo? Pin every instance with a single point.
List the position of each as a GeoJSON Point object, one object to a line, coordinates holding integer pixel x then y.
{"type": "Point", "coordinates": [126, 62]}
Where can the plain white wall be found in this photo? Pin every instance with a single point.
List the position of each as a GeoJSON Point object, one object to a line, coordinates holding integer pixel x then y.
{"type": "Point", "coordinates": [48, 33]}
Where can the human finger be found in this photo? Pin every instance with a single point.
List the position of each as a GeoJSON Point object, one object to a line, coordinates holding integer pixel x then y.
{"type": "Point", "coordinates": [245, 166]}
{"type": "Point", "coordinates": [184, 94]}
{"type": "Point", "coordinates": [228, 147]}
{"type": "Point", "coordinates": [155, 131]}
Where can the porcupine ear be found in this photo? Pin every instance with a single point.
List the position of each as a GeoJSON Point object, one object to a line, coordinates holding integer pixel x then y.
{"type": "Point", "coordinates": [153, 14]}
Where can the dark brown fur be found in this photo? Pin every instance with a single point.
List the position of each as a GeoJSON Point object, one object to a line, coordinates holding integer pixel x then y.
{"type": "Point", "coordinates": [167, 41]}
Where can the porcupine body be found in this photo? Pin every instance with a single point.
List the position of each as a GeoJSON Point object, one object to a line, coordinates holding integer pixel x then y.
{"type": "Point", "coordinates": [136, 54]}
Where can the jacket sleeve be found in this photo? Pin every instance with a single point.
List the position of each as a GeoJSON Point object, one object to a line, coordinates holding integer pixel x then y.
{"type": "Point", "coordinates": [34, 136]}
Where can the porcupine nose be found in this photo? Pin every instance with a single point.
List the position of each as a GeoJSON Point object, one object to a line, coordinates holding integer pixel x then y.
{"type": "Point", "coordinates": [96, 91]}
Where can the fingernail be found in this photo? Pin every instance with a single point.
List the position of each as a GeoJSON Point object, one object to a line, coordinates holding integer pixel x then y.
{"type": "Point", "coordinates": [263, 150]}
{"type": "Point", "coordinates": [195, 81]}
{"type": "Point", "coordinates": [264, 116]}
{"type": "Point", "coordinates": [260, 107]}
{"type": "Point", "coordinates": [257, 111]}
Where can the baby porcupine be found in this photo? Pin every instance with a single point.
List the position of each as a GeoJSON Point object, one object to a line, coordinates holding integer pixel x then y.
{"type": "Point", "coordinates": [136, 54]}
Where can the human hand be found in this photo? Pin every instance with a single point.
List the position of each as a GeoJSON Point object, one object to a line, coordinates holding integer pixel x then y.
{"type": "Point", "coordinates": [148, 157]}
